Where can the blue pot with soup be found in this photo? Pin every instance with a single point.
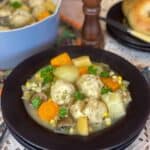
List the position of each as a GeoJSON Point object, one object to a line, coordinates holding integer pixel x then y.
{"type": "Point", "coordinates": [26, 28]}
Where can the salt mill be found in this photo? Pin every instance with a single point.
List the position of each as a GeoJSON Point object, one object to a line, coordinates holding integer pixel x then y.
{"type": "Point", "coordinates": [91, 31]}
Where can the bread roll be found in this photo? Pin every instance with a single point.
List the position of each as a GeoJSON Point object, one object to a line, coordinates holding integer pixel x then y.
{"type": "Point", "coordinates": [127, 6]}
{"type": "Point", "coordinates": [137, 13]}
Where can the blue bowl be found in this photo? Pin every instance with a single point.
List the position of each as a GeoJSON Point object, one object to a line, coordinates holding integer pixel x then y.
{"type": "Point", "coordinates": [18, 44]}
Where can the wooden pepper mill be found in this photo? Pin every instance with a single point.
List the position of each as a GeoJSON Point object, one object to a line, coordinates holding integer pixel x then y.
{"type": "Point", "coordinates": [91, 31]}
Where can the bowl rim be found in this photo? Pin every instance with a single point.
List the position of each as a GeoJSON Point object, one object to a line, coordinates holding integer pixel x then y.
{"type": "Point", "coordinates": [58, 3]}
{"type": "Point", "coordinates": [127, 143]}
{"type": "Point", "coordinates": [82, 139]}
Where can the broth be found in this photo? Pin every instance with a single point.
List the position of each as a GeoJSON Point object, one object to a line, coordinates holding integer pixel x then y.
{"type": "Point", "coordinates": [76, 96]}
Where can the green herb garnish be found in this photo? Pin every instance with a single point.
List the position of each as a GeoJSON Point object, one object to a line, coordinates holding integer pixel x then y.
{"type": "Point", "coordinates": [36, 102]}
{"type": "Point", "coordinates": [63, 112]}
{"type": "Point", "coordinates": [16, 4]}
{"type": "Point", "coordinates": [79, 96]}
{"type": "Point", "coordinates": [48, 69]}
{"type": "Point", "coordinates": [47, 74]}
{"type": "Point", "coordinates": [48, 78]}
{"type": "Point", "coordinates": [104, 74]}
{"type": "Point", "coordinates": [92, 70]}
{"type": "Point", "coordinates": [105, 90]}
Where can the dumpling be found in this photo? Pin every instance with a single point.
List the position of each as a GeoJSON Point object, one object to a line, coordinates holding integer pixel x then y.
{"type": "Point", "coordinates": [21, 18]}
{"type": "Point", "coordinates": [91, 108]}
{"type": "Point", "coordinates": [35, 3]}
{"type": "Point", "coordinates": [5, 12]}
{"type": "Point", "coordinates": [95, 110]}
{"type": "Point", "coordinates": [38, 10]}
{"type": "Point", "coordinates": [62, 92]}
{"type": "Point", "coordinates": [90, 85]}
{"type": "Point", "coordinates": [76, 109]}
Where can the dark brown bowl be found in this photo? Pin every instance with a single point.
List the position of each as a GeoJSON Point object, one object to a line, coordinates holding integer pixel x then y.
{"type": "Point", "coordinates": [31, 147]}
{"type": "Point", "coordinates": [23, 126]}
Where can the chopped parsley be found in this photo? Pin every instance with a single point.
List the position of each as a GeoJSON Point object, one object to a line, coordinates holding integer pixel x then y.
{"type": "Point", "coordinates": [79, 96]}
{"type": "Point", "coordinates": [104, 74]}
{"type": "Point", "coordinates": [63, 112]}
{"type": "Point", "coordinates": [105, 90]}
{"type": "Point", "coordinates": [92, 70]}
{"type": "Point", "coordinates": [36, 102]}
{"type": "Point", "coordinates": [16, 4]}
{"type": "Point", "coordinates": [47, 74]}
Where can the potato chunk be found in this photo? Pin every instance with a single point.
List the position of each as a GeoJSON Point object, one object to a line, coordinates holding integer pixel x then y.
{"type": "Point", "coordinates": [67, 72]}
{"type": "Point", "coordinates": [82, 126]}
{"type": "Point", "coordinates": [115, 105]}
{"type": "Point", "coordinates": [82, 61]}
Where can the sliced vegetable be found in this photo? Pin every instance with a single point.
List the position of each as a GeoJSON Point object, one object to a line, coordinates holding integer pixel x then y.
{"type": "Point", "coordinates": [43, 15]}
{"type": "Point", "coordinates": [83, 70]}
{"type": "Point", "coordinates": [62, 59]}
{"type": "Point", "coordinates": [16, 4]}
{"type": "Point", "coordinates": [115, 105]}
{"type": "Point", "coordinates": [92, 70]}
{"type": "Point", "coordinates": [82, 126]}
{"type": "Point", "coordinates": [82, 61]}
{"type": "Point", "coordinates": [104, 74]}
{"type": "Point", "coordinates": [105, 90]}
{"type": "Point", "coordinates": [78, 95]}
{"type": "Point", "coordinates": [36, 102]}
{"type": "Point", "coordinates": [63, 112]}
{"type": "Point", "coordinates": [110, 83]}
{"type": "Point", "coordinates": [68, 73]}
{"type": "Point", "coordinates": [48, 110]}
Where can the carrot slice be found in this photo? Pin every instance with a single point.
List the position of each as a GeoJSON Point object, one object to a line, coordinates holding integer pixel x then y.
{"type": "Point", "coordinates": [48, 110]}
{"type": "Point", "coordinates": [62, 59]}
{"type": "Point", "coordinates": [83, 70]}
{"type": "Point", "coordinates": [110, 83]}
{"type": "Point", "coordinates": [72, 22]}
{"type": "Point", "coordinates": [43, 15]}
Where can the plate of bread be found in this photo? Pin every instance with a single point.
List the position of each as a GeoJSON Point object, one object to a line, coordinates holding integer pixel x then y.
{"type": "Point", "coordinates": [135, 15]}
